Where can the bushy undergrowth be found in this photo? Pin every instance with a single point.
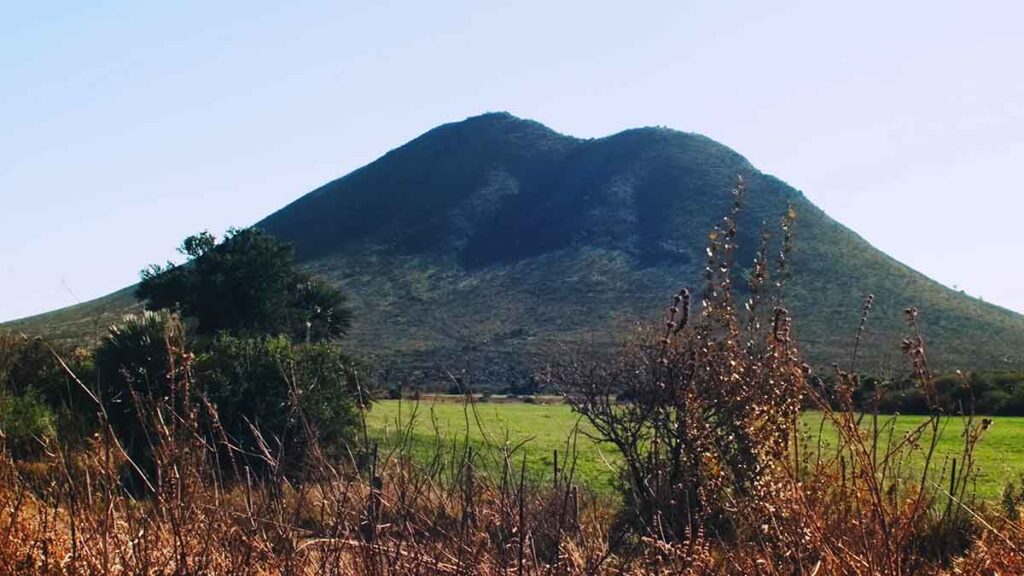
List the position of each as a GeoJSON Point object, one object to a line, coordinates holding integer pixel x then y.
{"type": "Point", "coordinates": [991, 393]}
{"type": "Point", "coordinates": [37, 397]}
{"type": "Point", "coordinates": [272, 395]}
{"type": "Point", "coordinates": [26, 423]}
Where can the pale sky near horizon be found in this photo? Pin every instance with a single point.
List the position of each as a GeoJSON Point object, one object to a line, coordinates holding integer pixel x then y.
{"type": "Point", "coordinates": [125, 126]}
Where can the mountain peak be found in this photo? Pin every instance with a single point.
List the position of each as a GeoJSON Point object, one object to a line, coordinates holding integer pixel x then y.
{"type": "Point", "coordinates": [497, 124]}
{"type": "Point", "coordinates": [495, 116]}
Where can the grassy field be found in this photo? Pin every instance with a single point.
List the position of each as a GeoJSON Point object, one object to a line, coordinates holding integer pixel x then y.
{"type": "Point", "coordinates": [540, 429]}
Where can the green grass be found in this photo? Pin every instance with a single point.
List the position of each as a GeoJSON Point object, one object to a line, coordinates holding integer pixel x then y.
{"type": "Point", "coordinates": [542, 429]}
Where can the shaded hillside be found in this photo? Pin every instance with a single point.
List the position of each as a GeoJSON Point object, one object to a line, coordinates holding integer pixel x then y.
{"type": "Point", "coordinates": [497, 236]}
{"type": "Point", "coordinates": [485, 243]}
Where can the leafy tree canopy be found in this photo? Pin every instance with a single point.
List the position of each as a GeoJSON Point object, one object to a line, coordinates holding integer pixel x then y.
{"type": "Point", "coordinates": [245, 285]}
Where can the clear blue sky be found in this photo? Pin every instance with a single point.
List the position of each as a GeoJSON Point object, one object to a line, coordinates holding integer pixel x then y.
{"type": "Point", "coordinates": [125, 126]}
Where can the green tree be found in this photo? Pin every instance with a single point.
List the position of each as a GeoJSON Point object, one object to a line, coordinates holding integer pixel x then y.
{"type": "Point", "coordinates": [245, 285]}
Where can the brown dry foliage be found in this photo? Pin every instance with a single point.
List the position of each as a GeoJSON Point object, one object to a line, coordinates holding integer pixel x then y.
{"type": "Point", "coordinates": [718, 478]}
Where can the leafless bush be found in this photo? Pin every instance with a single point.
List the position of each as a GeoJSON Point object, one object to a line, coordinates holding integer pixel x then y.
{"type": "Point", "coordinates": [702, 409]}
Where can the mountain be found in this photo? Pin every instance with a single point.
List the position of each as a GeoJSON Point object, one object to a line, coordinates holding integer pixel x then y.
{"type": "Point", "coordinates": [487, 243]}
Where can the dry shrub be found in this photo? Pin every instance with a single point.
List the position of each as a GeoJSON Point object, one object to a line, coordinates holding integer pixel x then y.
{"type": "Point", "coordinates": [705, 413]}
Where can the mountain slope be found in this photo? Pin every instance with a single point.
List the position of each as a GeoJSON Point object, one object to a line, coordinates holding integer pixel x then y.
{"type": "Point", "coordinates": [485, 243]}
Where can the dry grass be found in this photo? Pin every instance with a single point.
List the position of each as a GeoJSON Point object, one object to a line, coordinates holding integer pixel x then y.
{"type": "Point", "coordinates": [71, 515]}
{"type": "Point", "coordinates": [716, 480]}
{"type": "Point", "coordinates": [848, 512]}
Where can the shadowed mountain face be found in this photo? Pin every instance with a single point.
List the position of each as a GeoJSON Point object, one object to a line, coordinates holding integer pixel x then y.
{"type": "Point", "coordinates": [494, 190]}
{"type": "Point", "coordinates": [491, 242]}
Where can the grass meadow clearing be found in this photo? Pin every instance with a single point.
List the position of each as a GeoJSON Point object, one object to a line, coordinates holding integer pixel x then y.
{"type": "Point", "coordinates": [538, 430]}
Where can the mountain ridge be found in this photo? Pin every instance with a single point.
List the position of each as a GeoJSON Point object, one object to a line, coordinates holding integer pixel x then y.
{"type": "Point", "coordinates": [494, 240]}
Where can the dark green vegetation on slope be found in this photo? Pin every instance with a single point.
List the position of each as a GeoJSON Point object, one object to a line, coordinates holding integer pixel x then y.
{"type": "Point", "coordinates": [485, 244]}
